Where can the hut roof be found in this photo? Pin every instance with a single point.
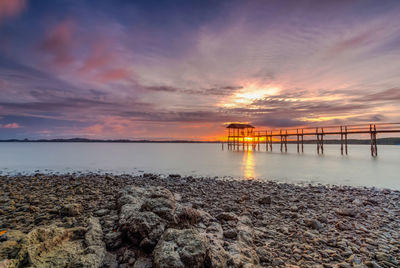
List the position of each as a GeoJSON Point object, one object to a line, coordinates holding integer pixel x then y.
{"type": "Point", "coordinates": [238, 125]}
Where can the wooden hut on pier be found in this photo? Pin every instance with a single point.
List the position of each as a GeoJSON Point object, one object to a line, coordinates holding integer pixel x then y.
{"type": "Point", "coordinates": [239, 134]}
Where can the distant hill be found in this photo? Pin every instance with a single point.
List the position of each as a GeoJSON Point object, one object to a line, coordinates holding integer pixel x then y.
{"type": "Point", "coordinates": [106, 141]}
{"type": "Point", "coordinates": [382, 141]}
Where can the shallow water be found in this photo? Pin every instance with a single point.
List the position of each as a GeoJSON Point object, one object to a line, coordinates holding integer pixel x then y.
{"type": "Point", "coordinates": [358, 168]}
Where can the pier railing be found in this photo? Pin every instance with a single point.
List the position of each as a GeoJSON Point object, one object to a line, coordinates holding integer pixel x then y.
{"type": "Point", "coordinates": [237, 141]}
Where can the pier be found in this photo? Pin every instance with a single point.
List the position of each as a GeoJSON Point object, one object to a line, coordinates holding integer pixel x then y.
{"type": "Point", "coordinates": [245, 136]}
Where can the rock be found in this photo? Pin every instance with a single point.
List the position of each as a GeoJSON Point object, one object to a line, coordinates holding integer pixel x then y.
{"type": "Point", "coordinates": [145, 213]}
{"type": "Point", "coordinates": [94, 233]}
{"type": "Point", "coordinates": [227, 216]}
{"type": "Point", "coordinates": [242, 250]}
{"type": "Point", "coordinates": [372, 264]}
{"type": "Point", "coordinates": [143, 263]}
{"type": "Point", "coordinates": [211, 231]}
{"type": "Point", "coordinates": [113, 240]}
{"type": "Point", "coordinates": [264, 254]}
{"type": "Point", "coordinates": [147, 245]}
{"type": "Point", "coordinates": [322, 219]}
{"type": "Point", "coordinates": [383, 257]}
{"type": "Point", "coordinates": [72, 210]}
{"type": "Point", "coordinates": [127, 256]}
{"type": "Point", "coordinates": [101, 212]}
{"type": "Point", "coordinates": [350, 212]}
{"type": "Point", "coordinates": [231, 233]}
{"type": "Point", "coordinates": [53, 246]}
{"type": "Point", "coordinates": [110, 261]}
{"type": "Point", "coordinates": [187, 215]}
{"type": "Point", "coordinates": [313, 223]}
{"type": "Point", "coordinates": [277, 262]}
{"type": "Point", "coordinates": [344, 265]}
{"type": "Point", "coordinates": [180, 248]}
{"type": "Point", "coordinates": [34, 209]}
{"type": "Point", "coordinates": [10, 247]}
{"type": "Point", "coordinates": [266, 200]}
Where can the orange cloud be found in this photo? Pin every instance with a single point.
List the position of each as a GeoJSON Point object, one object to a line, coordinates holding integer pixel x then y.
{"type": "Point", "coordinates": [10, 8]}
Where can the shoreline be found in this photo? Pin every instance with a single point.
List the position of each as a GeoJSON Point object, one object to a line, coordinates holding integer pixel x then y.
{"type": "Point", "coordinates": [141, 173]}
{"type": "Point", "coordinates": [277, 223]}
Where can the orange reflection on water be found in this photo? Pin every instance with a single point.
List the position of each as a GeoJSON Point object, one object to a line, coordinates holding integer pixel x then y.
{"type": "Point", "coordinates": [248, 164]}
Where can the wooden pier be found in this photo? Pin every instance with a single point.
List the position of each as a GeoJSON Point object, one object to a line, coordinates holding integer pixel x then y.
{"type": "Point", "coordinates": [245, 136]}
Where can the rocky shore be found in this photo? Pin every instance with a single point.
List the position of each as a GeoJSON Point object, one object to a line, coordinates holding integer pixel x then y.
{"type": "Point", "coordinates": [96, 220]}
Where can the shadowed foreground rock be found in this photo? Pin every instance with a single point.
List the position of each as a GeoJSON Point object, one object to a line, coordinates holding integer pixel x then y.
{"type": "Point", "coordinates": [153, 221]}
{"type": "Point", "coordinates": [53, 246]}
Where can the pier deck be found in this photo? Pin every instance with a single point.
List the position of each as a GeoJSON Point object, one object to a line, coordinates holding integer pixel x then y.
{"type": "Point", "coordinates": [243, 136]}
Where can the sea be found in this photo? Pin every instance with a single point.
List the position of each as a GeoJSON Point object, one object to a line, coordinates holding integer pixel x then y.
{"type": "Point", "coordinates": [358, 168]}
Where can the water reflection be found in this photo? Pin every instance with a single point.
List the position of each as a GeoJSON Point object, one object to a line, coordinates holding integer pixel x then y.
{"type": "Point", "coordinates": [248, 164]}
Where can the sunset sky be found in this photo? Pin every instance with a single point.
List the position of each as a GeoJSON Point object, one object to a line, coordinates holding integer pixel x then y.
{"type": "Point", "coordinates": [181, 69]}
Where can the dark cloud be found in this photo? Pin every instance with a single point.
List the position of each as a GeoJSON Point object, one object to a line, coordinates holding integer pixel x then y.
{"type": "Point", "coordinates": [215, 91]}
{"type": "Point", "coordinates": [277, 122]}
{"type": "Point", "coordinates": [392, 94]}
{"type": "Point", "coordinates": [161, 88]}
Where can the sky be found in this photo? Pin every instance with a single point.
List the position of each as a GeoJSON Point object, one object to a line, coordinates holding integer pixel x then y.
{"type": "Point", "coordinates": [121, 69]}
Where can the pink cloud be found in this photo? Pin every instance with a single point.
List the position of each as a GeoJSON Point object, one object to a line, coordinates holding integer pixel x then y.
{"type": "Point", "coordinates": [113, 75]}
{"type": "Point", "coordinates": [10, 8]}
{"type": "Point", "coordinates": [94, 130]}
{"type": "Point", "coordinates": [59, 41]}
{"type": "Point", "coordinates": [10, 125]}
{"type": "Point", "coordinates": [99, 57]}
{"type": "Point", "coordinates": [353, 42]}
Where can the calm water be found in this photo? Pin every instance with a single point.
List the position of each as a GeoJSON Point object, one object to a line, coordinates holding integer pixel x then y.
{"type": "Point", "coordinates": [358, 168]}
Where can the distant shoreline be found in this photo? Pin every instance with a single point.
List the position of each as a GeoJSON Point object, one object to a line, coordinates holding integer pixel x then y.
{"type": "Point", "coordinates": [381, 141]}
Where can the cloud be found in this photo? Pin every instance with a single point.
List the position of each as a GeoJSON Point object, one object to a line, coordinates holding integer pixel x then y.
{"type": "Point", "coordinates": [283, 64]}
{"type": "Point", "coordinates": [392, 94]}
{"type": "Point", "coordinates": [214, 91]}
{"type": "Point", "coordinates": [113, 75]}
{"type": "Point", "coordinates": [58, 42]}
{"type": "Point", "coordinates": [10, 125]}
{"type": "Point", "coordinates": [353, 42]}
{"type": "Point", "coordinates": [99, 56]}
{"type": "Point", "coordinates": [10, 8]}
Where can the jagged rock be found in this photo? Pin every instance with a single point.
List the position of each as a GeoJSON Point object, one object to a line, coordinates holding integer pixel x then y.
{"type": "Point", "coordinates": [113, 240]}
{"type": "Point", "coordinates": [143, 262]}
{"type": "Point", "coordinates": [110, 261]}
{"type": "Point", "coordinates": [227, 216]}
{"type": "Point", "coordinates": [242, 253]}
{"type": "Point", "coordinates": [101, 212]}
{"type": "Point", "coordinates": [72, 210]}
{"type": "Point", "coordinates": [187, 215]}
{"type": "Point", "coordinates": [180, 248]}
{"type": "Point", "coordinates": [145, 213]}
{"type": "Point", "coordinates": [58, 247]}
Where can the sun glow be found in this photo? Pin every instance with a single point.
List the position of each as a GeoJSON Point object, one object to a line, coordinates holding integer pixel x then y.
{"type": "Point", "coordinates": [248, 164]}
{"type": "Point", "coordinates": [249, 94]}
{"type": "Point", "coordinates": [248, 139]}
